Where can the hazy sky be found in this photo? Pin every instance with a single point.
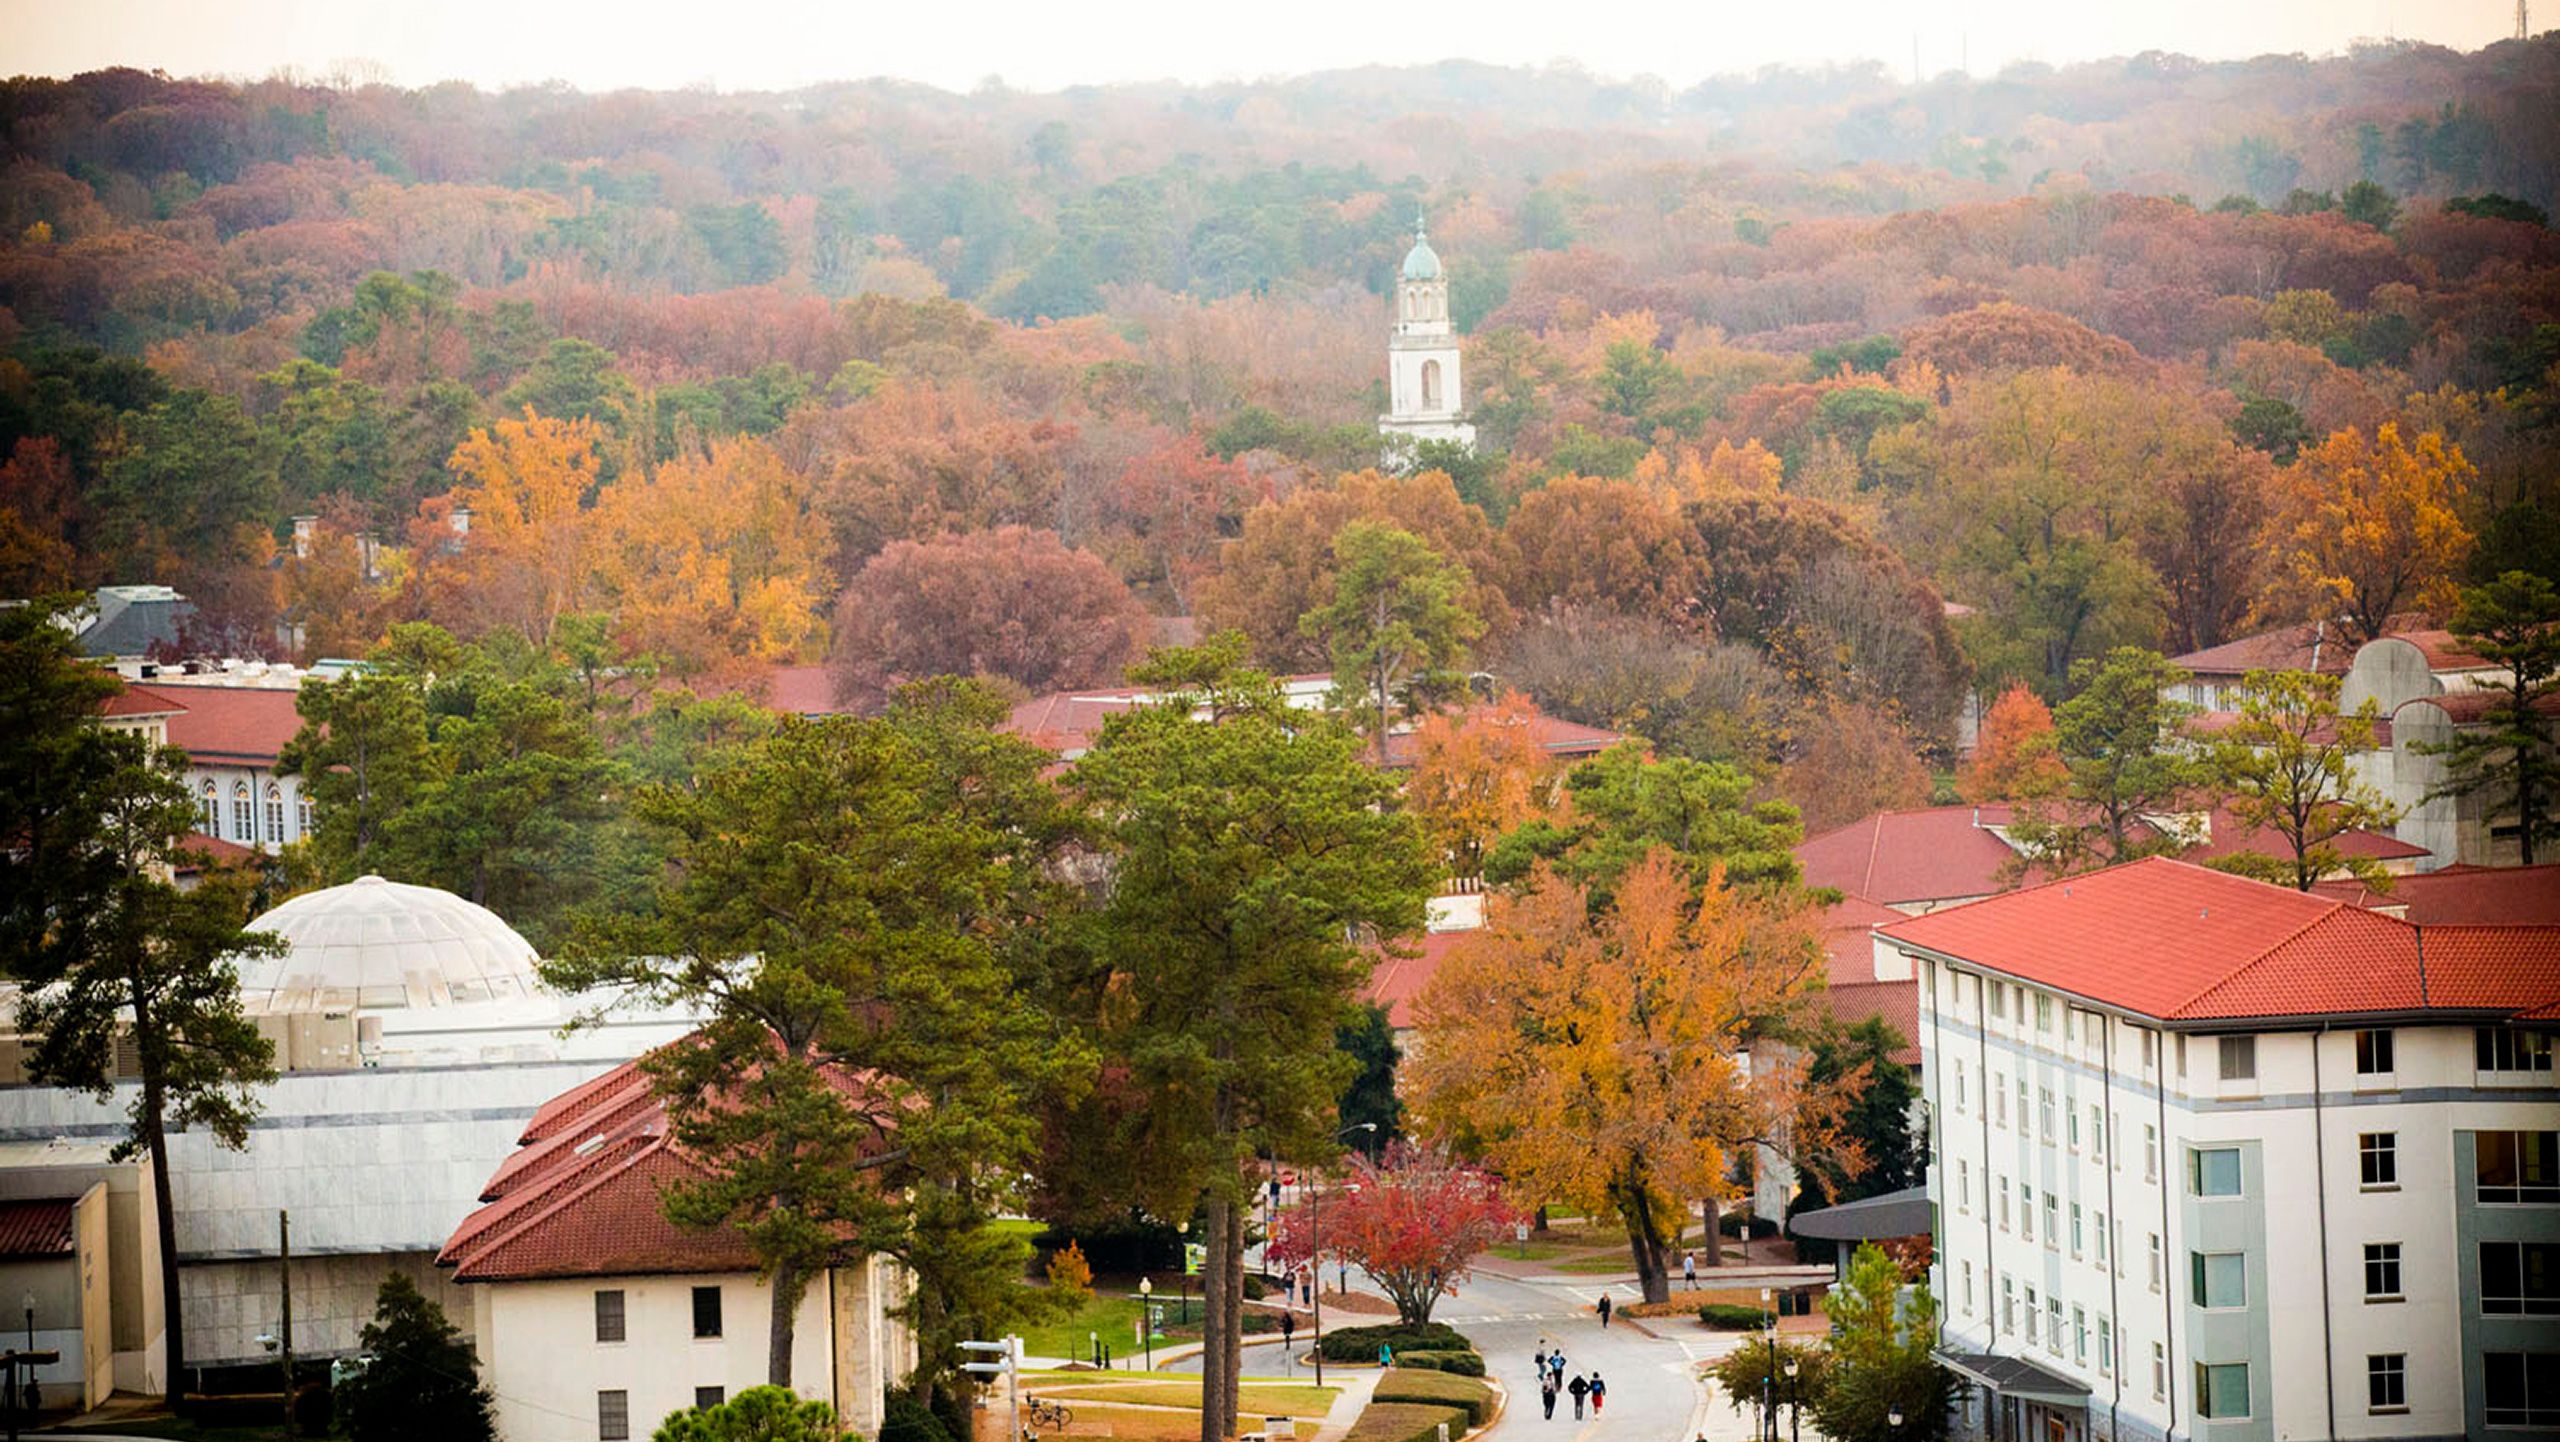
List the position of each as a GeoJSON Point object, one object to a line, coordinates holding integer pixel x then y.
{"type": "Point", "coordinates": [1045, 44]}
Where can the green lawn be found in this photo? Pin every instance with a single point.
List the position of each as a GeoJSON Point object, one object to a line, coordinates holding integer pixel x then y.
{"type": "Point", "coordinates": [1113, 1316]}
{"type": "Point", "coordinates": [1278, 1398]}
{"type": "Point", "coordinates": [1601, 1265]}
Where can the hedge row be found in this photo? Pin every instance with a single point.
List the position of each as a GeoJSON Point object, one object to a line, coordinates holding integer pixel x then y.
{"type": "Point", "coordinates": [1405, 1422]}
{"type": "Point", "coordinates": [1360, 1344]}
{"type": "Point", "coordinates": [1725, 1317]}
{"type": "Point", "coordinates": [1464, 1364]}
{"type": "Point", "coordinates": [1440, 1389]}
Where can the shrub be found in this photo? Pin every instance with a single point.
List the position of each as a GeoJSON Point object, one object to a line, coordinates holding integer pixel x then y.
{"type": "Point", "coordinates": [759, 1414]}
{"type": "Point", "coordinates": [906, 1420]}
{"type": "Point", "coordinates": [1464, 1364]}
{"type": "Point", "coordinates": [421, 1384]}
{"type": "Point", "coordinates": [1405, 1422]}
{"type": "Point", "coordinates": [1360, 1344]}
{"type": "Point", "coordinates": [1438, 1388]}
{"type": "Point", "coordinates": [1725, 1317]}
{"type": "Point", "coordinates": [1256, 1286]}
{"type": "Point", "coordinates": [1733, 1224]}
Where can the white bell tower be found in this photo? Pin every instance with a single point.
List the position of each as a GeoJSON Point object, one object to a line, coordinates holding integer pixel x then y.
{"type": "Point", "coordinates": [1423, 395]}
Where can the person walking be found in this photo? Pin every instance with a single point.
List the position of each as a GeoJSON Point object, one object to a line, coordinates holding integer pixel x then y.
{"type": "Point", "coordinates": [1555, 1365]}
{"type": "Point", "coordinates": [1689, 1269]}
{"type": "Point", "coordinates": [1580, 1389]}
{"type": "Point", "coordinates": [1599, 1391]}
{"type": "Point", "coordinates": [1604, 1311]}
{"type": "Point", "coordinates": [1386, 1355]}
{"type": "Point", "coordinates": [1542, 1360]}
{"type": "Point", "coordinates": [1547, 1392]}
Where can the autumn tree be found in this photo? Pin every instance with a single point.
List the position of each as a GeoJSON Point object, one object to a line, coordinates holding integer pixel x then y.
{"type": "Point", "coordinates": [1013, 602]}
{"type": "Point", "coordinates": [1477, 774]}
{"type": "Point", "coordinates": [1397, 627]}
{"type": "Point", "coordinates": [528, 556]}
{"type": "Point", "coordinates": [1883, 1384]}
{"type": "Point", "coordinates": [2206, 541]}
{"type": "Point", "coordinates": [1850, 760]}
{"type": "Point", "coordinates": [2013, 754]}
{"type": "Point", "coordinates": [837, 901]}
{"type": "Point", "coordinates": [1617, 545]}
{"type": "Point", "coordinates": [2509, 761]}
{"type": "Point", "coordinates": [714, 559]}
{"type": "Point", "coordinates": [1413, 1222]}
{"type": "Point", "coordinates": [1250, 849]}
{"type": "Point", "coordinates": [1625, 805]}
{"type": "Point", "coordinates": [1285, 563]}
{"type": "Point", "coordinates": [2369, 527]}
{"type": "Point", "coordinates": [918, 459]}
{"type": "Point", "coordinates": [2120, 739]}
{"type": "Point", "coordinates": [1691, 697]}
{"type": "Point", "coordinates": [2287, 765]}
{"type": "Point", "coordinates": [1595, 1055]}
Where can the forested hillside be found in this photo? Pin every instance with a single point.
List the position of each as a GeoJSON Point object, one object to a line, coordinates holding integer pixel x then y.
{"type": "Point", "coordinates": [1808, 401]}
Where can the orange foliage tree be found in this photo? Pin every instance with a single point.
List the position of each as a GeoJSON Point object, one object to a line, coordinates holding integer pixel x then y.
{"type": "Point", "coordinates": [2013, 754]}
{"type": "Point", "coordinates": [1476, 775]}
{"type": "Point", "coordinates": [1850, 760]}
{"type": "Point", "coordinates": [1591, 542]}
{"type": "Point", "coordinates": [1013, 602]}
{"type": "Point", "coordinates": [1597, 1059]}
{"type": "Point", "coordinates": [715, 559]}
{"type": "Point", "coordinates": [529, 556]}
{"type": "Point", "coordinates": [2368, 526]}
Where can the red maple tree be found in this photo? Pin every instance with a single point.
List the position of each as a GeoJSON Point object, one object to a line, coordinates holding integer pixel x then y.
{"type": "Point", "coordinates": [1413, 1223]}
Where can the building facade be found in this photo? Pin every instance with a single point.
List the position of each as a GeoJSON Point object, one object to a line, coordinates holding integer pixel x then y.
{"type": "Point", "coordinates": [2212, 1159]}
{"type": "Point", "coordinates": [1425, 397]}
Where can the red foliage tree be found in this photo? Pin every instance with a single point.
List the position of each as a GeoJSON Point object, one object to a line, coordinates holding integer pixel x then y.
{"type": "Point", "coordinates": [1414, 1224]}
{"type": "Point", "coordinates": [1012, 602]}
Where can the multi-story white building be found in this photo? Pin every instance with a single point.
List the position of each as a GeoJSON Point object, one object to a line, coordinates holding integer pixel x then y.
{"type": "Point", "coordinates": [2214, 1159]}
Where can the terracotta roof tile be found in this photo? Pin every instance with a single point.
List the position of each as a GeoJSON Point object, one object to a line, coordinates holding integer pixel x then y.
{"type": "Point", "coordinates": [2171, 940]}
{"type": "Point", "coordinates": [37, 1227]}
{"type": "Point", "coordinates": [237, 725]}
{"type": "Point", "coordinates": [140, 701]}
{"type": "Point", "coordinates": [1926, 854]}
{"type": "Point", "coordinates": [1395, 981]}
{"type": "Point", "coordinates": [2460, 894]}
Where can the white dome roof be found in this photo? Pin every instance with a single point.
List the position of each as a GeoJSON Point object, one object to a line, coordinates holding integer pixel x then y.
{"type": "Point", "coordinates": [376, 945]}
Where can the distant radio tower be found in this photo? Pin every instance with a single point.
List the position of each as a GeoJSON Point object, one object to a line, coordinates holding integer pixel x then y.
{"type": "Point", "coordinates": [2521, 31]}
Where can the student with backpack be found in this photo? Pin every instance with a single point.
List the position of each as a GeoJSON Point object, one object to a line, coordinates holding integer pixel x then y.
{"type": "Point", "coordinates": [1547, 1392]}
{"type": "Point", "coordinates": [1599, 1391]}
{"type": "Point", "coordinates": [1580, 1389]}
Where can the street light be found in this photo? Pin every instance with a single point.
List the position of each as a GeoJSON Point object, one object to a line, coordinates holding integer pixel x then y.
{"type": "Point", "coordinates": [1315, 1246]}
{"type": "Point", "coordinates": [1769, 1382]}
{"type": "Point", "coordinates": [1795, 1404]}
{"type": "Point", "coordinates": [1893, 1419]}
{"type": "Point", "coordinates": [1147, 1320]}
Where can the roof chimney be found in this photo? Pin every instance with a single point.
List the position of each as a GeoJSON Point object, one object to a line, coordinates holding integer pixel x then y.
{"type": "Point", "coordinates": [304, 527]}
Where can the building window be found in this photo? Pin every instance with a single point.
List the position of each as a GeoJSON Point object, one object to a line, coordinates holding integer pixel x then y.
{"type": "Point", "coordinates": [2523, 1389]}
{"type": "Point", "coordinates": [2182, 1056]}
{"type": "Point", "coordinates": [2378, 1159]}
{"type": "Point", "coordinates": [2222, 1389]}
{"type": "Point", "coordinates": [2520, 1278]}
{"type": "Point", "coordinates": [2044, 1012]}
{"type": "Point", "coordinates": [2080, 1336]}
{"type": "Point", "coordinates": [275, 812]}
{"type": "Point", "coordinates": [2075, 1229]}
{"type": "Point", "coordinates": [2000, 999]}
{"type": "Point", "coordinates": [2382, 1272]}
{"type": "Point", "coordinates": [1999, 1100]}
{"type": "Point", "coordinates": [2386, 1382]}
{"type": "Point", "coordinates": [2044, 1115]}
{"type": "Point", "coordinates": [2052, 1220]}
{"type": "Point", "coordinates": [706, 1311]}
{"type": "Point", "coordinates": [710, 1396]}
{"type": "Point", "coordinates": [2503, 1049]}
{"type": "Point", "coordinates": [2071, 1119]}
{"type": "Point", "coordinates": [2159, 1371]}
{"type": "Point", "coordinates": [212, 810]}
{"type": "Point", "coordinates": [2022, 1103]}
{"type": "Point", "coordinates": [2156, 1267]}
{"type": "Point", "coordinates": [2100, 1218]}
{"type": "Point", "coordinates": [2097, 1132]}
{"type": "Point", "coordinates": [2221, 1279]}
{"type": "Point", "coordinates": [2373, 1056]}
{"type": "Point", "coordinates": [2031, 1316]}
{"type": "Point", "coordinates": [1959, 1083]}
{"type": "Point", "coordinates": [2053, 1338]}
{"type": "Point", "coordinates": [2150, 1152]}
{"type": "Point", "coordinates": [2150, 1047]}
{"type": "Point", "coordinates": [1431, 385]}
{"type": "Point", "coordinates": [302, 814]}
{"type": "Point", "coordinates": [1968, 1289]}
{"type": "Point", "coordinates": [609, 1323]}
{"type": "Point", "coordinates": [2239, 1058]}
{"type": "Point", "coordinates": [2517, 1166]}
{"type": "Point", "coordinates": [2026, 1211]}
{"type": "Point", "coordinates": [2106, 1347]}
{"type": "Point", "coordinates": [613, 1416]}
{"type": "Point", "coordinates": [2008, 1304]}
{"type": "Point", "coordinates": [1964, 1185]}
{"type": "Point", "coordinates": [2213, 1171]}
{"type": "Point", "coordinates": [244, 821]}
{"type": "Point", "coordinates": [2093, 1030]}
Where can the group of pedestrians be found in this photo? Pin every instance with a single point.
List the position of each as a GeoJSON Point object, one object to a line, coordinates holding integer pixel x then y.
{"type": "Point", "coordinates": [1582, 1388]}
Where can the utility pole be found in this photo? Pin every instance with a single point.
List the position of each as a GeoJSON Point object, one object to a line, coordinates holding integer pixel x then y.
{"type": "Point", "coordinates": [2523, 31]}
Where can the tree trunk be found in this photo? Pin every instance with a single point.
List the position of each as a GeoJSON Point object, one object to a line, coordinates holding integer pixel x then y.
{"type": "Point", "coordinates": [1713, 1213]}
{"type": "Point", "coordinates": [1233, 1265]}
{"type": "Point", "coordinates": [173, 1324]}
{"type": "Point", "coordinates": [1217, 1384]}
{"type": "Point", "coordinates": [1645, 1241]}
{"type": "Point", "coordinates": [786, 1288]}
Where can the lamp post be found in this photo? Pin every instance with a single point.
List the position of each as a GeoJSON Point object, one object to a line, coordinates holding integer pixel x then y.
{"type": "Point", "coordinates": [1315, 1247]}
{"type": "Point", "coordinates": [1795, 1404]}
{"type": "Point", "coordinates": [27, 1388]}
{"type": "Point", "coordinates": [1147, 1320]}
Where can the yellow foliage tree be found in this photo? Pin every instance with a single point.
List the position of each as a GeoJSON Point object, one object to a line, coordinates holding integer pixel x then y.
{"type": "Point", "coordinates": [1476, 776]}
{"type": "Point", "coordinates": [2369, 526]}
{"type": "Point", "coordinates": [528, 556]}
{"type": "Point", "coordinates": [1597, 1059]}
{"type": "Point", "coordinates": [716, 559]}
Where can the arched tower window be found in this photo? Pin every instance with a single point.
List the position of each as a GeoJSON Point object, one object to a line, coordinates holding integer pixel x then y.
{"type": "Point", "coordinates": [244, 821]}
{"type": "Point", "coordinates": [275, 812]}
{"type": "Point", "coordinates": [212, 809]}
{"type": "Point", "coordinates": [1431, 385]}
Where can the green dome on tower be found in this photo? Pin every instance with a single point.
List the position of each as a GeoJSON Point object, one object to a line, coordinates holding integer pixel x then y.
{"type": "Point", "coordinates": [1421, 262]}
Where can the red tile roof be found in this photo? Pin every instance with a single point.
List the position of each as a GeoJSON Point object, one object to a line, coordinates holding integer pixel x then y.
{"type": "Point", "coordinates": [2462, 894]}
{"type": "Point", "coordinates": [2179, 942]}
{"type": "Point", "coordinates": [1396, 981]}
{"type": "Point", "coordinates": [37, 1227]}
{"type": "Point", "coordinates": [802, 691]}
{"type": "Point", "coordinates": [583, 1195]}
{"type": "Point", "coordinates": [203, 851]}
{"type": "Point", "coordinates": [2463, 708]}
{"type": "Point", "coordinates": [2317, 646]}
{"type": "Point", "coordinates": [140, 701]}
{"type": "Point", "coordinates": [1554, 737]}
{"type": "Point", "coordinates": [1929, 854]}
{"type": "Point", "coordinates": [1851, 990]}
{"type": "Point", "coordinates": [230, 725]}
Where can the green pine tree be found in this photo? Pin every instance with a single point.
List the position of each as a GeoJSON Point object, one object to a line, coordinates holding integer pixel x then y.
{"type": "Point", "coordinates": [419, 1382]}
